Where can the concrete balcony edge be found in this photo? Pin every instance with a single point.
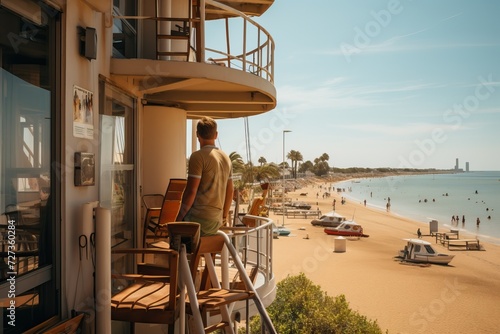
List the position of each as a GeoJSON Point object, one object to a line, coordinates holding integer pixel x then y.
{"type": "Point", "coordinates": [198, 88]}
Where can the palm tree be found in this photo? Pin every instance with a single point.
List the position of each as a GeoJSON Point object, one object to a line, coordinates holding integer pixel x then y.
{"type": "Point", "coordinates": [267, 172]}
{"type": "Point", "coordinates": [283, 164]}
{"type": "Point", "coordinates": [237, 162]}
{"type": "Point", "coordinates": [308, 165]}
{"type": "Point", "coordinates": [262, 173]}
{"type": "Point", "coordinates": [262, 161]}
{"type": "Point", "coordinates": [321, 166]}
{"type": "Point", "coordinates": [295, 156]}
{"type": "Point", "coordinates": [248, 174]}
{"type": "Point", "coordinates": [238, 168]}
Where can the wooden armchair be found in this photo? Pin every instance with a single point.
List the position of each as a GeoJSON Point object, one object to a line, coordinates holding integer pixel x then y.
{"type": "Point", "coordinates": [257, 208]}
{"type": "Point", "coordinates": [209, 298]}
{"type": "Point", "coordinates": [212, 298]}
{"type": "Point", "coordinates": [152, 203]}
{"type": "Point", "coordinates": [161, 210]}
{"type": "Point", "coordinates": [152, 296]}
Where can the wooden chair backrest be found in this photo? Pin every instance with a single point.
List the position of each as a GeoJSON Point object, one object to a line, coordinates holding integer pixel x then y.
{"type": "Point", "coordinates": [213, 245]}
{"type": "Point", "coordinates": [172, 201]}
{"type": "Point", "coordinates": [256, 207]}
{"type": "Point", "coordinates": [152, 204]}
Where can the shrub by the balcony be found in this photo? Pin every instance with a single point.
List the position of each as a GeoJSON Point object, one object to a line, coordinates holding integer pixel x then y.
{"type": "Point", "coordinates": [302, 307]}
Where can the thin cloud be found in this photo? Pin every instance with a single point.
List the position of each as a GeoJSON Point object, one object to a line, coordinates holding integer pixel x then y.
{"type": "Point", "coordinates": [339, 94]}
{"type": "Point", "coordinates": [400, 131]}
{"type": "Point", "coordinates": [394, 44]}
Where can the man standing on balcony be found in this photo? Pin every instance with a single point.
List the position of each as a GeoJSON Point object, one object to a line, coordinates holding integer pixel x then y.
{"type": "Point", "coordinates": [209, 188]}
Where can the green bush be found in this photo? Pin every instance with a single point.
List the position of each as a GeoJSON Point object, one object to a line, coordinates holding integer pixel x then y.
{"type": "Point", "coordinates": [302, 307]}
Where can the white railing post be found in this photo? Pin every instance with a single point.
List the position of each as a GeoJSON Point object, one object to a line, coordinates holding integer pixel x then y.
{"type": "Point", "coordinates": [188, 284]}
{"type": "Point", "coordinates": [245, 46]}
{"type": "Point", "coordinates": [201, 37]}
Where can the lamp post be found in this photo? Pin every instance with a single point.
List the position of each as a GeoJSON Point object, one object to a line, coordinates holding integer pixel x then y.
{"type": "Point", "coordinates": [284, 188]}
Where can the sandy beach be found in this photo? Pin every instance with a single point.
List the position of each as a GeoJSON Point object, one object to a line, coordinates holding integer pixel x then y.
{"type": "Point", "coordinates": [463, 297]}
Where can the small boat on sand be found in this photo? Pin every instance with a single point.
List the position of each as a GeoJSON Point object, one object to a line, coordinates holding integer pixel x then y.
{"type": "Point", "coordinates": [346, 229]}
{"type": "Point", "coordinates": [331, 219]}
{"type": "Point", "coordinates": [421, 251]}
{"type": "Point", "coordinates": [280, 231]}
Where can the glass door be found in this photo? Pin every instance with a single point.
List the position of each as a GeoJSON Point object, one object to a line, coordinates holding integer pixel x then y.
{"type": "Point", "coordinates": [117, 157]}
{"type": "Point", "coordinates": [117, 185]}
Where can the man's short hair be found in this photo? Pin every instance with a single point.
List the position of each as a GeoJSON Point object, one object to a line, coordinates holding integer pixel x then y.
{"type": "Point", "coordinates": [206, 128]}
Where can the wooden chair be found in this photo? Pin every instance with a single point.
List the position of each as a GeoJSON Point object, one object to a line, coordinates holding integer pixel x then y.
{"type": "Point", "coordinates": [257, 208]}
{"type": "Point", "coordinates": [152, 203]}
{"type": "Point", "coordinates": [211, 297]}
{"type": "Point", "coordinates": [152, 295]}
{"type": "Point", "coordinates": [157, 216]}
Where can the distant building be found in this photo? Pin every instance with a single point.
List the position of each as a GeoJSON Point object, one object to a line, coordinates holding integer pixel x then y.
{"type": "Point", "coordinates": [467, 166]}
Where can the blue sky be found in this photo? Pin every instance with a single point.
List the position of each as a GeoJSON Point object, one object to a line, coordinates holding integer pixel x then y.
{"type": "Point", "coordinates": [381, 84]}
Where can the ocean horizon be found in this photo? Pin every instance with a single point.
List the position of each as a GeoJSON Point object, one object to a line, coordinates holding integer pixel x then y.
{"type": "Point", "coordinates": [471, 196]}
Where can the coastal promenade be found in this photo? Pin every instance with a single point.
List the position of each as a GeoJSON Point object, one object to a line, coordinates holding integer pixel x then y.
{"type": "Point", "coordinates": [463, 297]}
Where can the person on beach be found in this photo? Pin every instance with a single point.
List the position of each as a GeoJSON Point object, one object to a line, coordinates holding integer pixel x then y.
{"type": "Point", "coordinates": [209, 190]}
{"type": "Point", "coordinates": [478, 221]}
{"type": "Point", "coordinates": [463, 220]}
{"type": "Point", "coordinates": [419, 234]}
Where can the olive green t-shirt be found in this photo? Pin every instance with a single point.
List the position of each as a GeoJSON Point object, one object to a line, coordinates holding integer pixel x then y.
{"type": "Point", "coordinates": [213, 168]}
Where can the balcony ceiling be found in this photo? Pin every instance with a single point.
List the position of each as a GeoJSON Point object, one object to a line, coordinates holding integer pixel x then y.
{"type": "Point", "coordinates": [249, 7]}
{"type": "Point", "coordinates": [200, 89]}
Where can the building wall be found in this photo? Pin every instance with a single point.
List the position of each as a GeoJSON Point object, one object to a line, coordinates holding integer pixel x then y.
{"type": "Point", "coordinates": [161, 144]}
{"type": "Point", "coordinates": [77, 286]}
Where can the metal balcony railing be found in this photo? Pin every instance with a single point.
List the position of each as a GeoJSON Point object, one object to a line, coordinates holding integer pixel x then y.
{"type": "Point", "coordinates": [235, 41]}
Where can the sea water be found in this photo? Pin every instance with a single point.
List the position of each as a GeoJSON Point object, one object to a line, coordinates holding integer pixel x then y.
{"type": "Point", "coordinates": [474, 195]}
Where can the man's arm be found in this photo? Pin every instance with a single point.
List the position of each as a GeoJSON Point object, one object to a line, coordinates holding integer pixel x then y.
{"type": "Point", "coordinates": [228, 199]}
{"type": "Point", "coordinates": [188, 197]}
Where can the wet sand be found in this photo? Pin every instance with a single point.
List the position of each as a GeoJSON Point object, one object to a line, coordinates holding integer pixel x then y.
{"type": "Point", "coordinates": [463, 297]}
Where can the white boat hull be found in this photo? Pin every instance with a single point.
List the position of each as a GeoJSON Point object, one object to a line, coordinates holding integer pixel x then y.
{"type": "Point", "coordinates": [421, 251]}
{"type": "Point", "coordinates": [436, 259]}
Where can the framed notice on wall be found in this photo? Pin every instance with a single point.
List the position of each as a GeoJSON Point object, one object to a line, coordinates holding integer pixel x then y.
{"type": "Point", "coordinates": [83, 113]}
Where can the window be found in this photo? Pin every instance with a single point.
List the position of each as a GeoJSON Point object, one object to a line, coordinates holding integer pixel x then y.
{"type": "Point", "coordinates": [29, 205]}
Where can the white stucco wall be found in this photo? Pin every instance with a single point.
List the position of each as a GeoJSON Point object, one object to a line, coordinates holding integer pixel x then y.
{"type": "Point", "coordinates": [163, 147]}
{"type": "Point", "coordinates": [77, 279]}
